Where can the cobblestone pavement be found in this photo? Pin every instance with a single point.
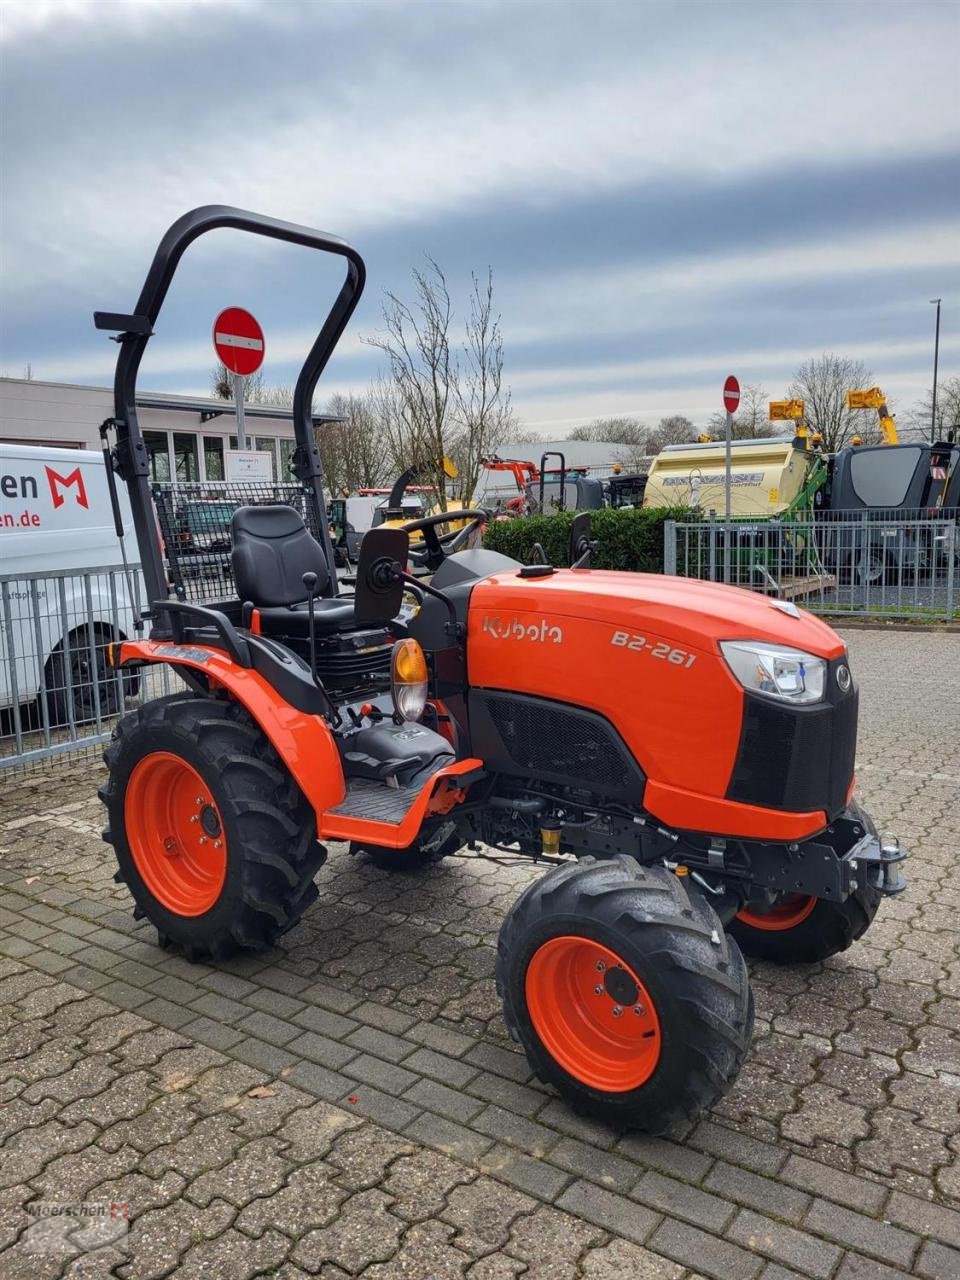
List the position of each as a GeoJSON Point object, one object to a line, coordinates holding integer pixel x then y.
{"type": "Point", "coordinates": [348, 1104]}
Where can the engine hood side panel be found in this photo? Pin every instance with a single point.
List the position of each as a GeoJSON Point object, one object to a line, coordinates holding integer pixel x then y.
{"type": "Point", "coordinates": [642, 651]}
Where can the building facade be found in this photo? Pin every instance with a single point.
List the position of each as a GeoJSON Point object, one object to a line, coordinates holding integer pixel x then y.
{"type": "Point", "coordinates": [186, 436]}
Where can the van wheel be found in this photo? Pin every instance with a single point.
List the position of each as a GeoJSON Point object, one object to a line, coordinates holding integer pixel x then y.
{"type": "Point", "coordinates": [70, 670]}
{"type": "Point", "coordinates": [625, 992]}
{"type": "Point", "coordinates": [213, 838]}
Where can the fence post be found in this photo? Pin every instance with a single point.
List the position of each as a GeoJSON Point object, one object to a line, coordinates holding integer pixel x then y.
{"type": "Point", "coordinates": [951, 545]}
{"type": "Point", "coordinates": [670, 547]}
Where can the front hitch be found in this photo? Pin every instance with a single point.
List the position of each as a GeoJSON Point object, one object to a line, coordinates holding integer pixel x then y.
{"type": "Point", "coordinates": [876, 864]}
{"type": "Point", "coordinates": [848, 855]}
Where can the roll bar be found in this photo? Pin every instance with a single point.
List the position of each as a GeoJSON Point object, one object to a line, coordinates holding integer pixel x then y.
{"type": "Point", "coordinates": [134, 332]}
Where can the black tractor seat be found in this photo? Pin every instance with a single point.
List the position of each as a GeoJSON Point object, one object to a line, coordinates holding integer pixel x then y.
{"type": "Point", "coordinates": [330, 618]}
{"type": "Point", "coordinates": [272, 550]}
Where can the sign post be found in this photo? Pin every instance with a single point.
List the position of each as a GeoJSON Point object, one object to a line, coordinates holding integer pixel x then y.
{"type": "Point", "coordinates": [731, 402]}
{"type": "Point", "coordinates": [238, 342]}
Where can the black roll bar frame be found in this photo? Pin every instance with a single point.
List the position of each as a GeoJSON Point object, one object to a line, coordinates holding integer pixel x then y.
{"type": "Point", "coordinates": [135, 331]}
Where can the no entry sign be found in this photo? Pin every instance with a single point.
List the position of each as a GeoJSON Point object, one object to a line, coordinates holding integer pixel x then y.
{"type": "Point", "coordinates": [238, 341]}
{"type": "Point", "coordinates": [731, 394]}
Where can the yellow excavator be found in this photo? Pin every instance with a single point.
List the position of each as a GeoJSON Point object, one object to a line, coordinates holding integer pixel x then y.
{"type": "Point", "coordinates": [875, 399]}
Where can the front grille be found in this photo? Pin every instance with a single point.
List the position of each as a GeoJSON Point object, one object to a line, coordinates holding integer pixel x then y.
{"type": "Point", "coordinates": [539, 738]}
{"type": "Point", "coordinates": [794, 758]}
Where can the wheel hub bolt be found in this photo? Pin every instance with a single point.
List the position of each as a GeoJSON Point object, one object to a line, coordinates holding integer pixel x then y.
{"type": "Point", "coordinates": [218, 844]}
{"type": "Point", "coordinates": [617, 1010]}
{"type": "Point", "coordinates": [598, 990]}
{"type": "Point", "coordinates": [600, 966]}
{"type": "Point", "coordinates": [170, 844]}
{"type": "Point", "coordinates": [195, 818]}
{"type": "Point", "coordinates": [200, 800]}
{"type": "Point", "coordinates": [203, 839]}
{"type": "Point", "coordinates": [639, 1010]}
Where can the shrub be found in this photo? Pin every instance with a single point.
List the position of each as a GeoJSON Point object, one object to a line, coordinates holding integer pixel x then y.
{"type": "Point", "coordinates": [626, 539]}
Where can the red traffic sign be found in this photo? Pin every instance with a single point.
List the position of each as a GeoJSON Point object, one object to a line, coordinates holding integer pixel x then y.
{"type": "Point", "coordinates": [731, 394]}
{"type": "Point", "coordinates": [238, 340]}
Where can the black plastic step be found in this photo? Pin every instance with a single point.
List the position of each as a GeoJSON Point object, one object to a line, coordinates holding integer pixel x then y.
{"type": "Point", "coordinates": [367, 798]}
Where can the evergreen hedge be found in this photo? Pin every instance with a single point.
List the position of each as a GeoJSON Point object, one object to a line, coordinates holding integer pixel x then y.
{"type": "Point", "coordinates": [627, 539]}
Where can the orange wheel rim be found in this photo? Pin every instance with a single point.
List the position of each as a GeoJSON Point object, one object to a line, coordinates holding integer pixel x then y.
{"type": "Point", "coordinates": [593, 1014]}
{"type": "Point", "coordinates": [786, 914]}
{"type": "Point", "coordinates": [175, 834]}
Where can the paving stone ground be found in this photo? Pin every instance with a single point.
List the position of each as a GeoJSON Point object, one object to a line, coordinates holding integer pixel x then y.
{"type": "Point", "coordinates": [349, 1104]}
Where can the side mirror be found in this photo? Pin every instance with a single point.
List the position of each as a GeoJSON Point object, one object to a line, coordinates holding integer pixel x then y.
{"type": "Point", "coordinates": [380, 585]}
{"type": "Point", "coordinates": [582, 546]}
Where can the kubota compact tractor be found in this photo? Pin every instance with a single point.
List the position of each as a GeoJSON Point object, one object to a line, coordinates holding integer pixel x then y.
{"type": "Point", "coordinates": [679, 753]}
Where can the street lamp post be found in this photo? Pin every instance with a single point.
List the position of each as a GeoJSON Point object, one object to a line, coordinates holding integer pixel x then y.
{"type": "Point", "coordinates": [936, 361]}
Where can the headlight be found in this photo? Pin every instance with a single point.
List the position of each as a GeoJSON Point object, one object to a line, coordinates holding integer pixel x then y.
{"type": "Point", "coordinates": [408, 679]}
{"type": "Point", "coordinates": [789, 675]}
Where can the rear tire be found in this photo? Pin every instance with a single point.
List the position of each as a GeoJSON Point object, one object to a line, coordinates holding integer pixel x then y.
{"type": "Point", "coordinates": [213, 838]}
{"type": "Point", "coordinates": [805, 931]}
{"type": "Point", "coordinates": [594, 937]}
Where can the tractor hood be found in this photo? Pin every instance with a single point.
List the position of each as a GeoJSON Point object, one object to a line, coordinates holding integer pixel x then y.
{"type": "Point", "coordinates": [685, 610]}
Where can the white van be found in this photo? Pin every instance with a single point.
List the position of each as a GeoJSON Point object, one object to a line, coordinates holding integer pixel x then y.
{"type": "Point", "coordinates": [59, 606]}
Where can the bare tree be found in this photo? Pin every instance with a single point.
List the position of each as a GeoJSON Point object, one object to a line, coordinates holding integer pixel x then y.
{"type": "Point", "coordinates": [675, 429]}
{"type": "Point", "coordinates": [822, 383]}
{"type": "Point", "coordinates": [354, 452]}
{"type": "Point", "coordinates": [255, 390]}
{"type": "Point", "coordinates": [752, 419]}
{"type": "Point", "coordinates": [920, 418]}
{"type": "Point", "coordinates": [525, 435]}
{"type": "Point", "coordinates": [484, 415]}
{"type": "Point", "coordinates": [630, 436]}
{"type": "Point", "coordinates": [416, 341]}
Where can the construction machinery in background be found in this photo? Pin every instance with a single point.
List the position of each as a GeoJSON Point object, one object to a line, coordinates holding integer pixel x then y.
{"type": "Point", "coordinates": [543, 489]}
{"type": "Point", "coordinates": [352, 515]}
{"type": "Point", "coordinates": [874, 398]}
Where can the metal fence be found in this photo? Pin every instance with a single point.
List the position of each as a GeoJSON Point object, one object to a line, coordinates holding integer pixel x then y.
{"type": "Point", "coordinates": [58, 692]}
{"type": "Point", "coordinates": [875, 564]}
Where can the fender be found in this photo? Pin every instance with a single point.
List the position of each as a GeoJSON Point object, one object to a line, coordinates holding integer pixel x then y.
{"type": "Point", "coordinates": [303, 742]}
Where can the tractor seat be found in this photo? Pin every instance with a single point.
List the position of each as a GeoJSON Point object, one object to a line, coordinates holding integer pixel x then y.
{"type": "Point", "coordinates": [272, 550]}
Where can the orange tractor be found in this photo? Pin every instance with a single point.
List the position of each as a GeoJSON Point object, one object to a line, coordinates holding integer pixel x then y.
{"type": "Point", "coordinates": [678, 754]}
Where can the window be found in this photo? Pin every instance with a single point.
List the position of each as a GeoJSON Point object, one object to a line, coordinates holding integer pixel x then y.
{"type": "Point", "coordinates": [268, 444]}
{"type": "Point", "coordinates": [213, 456]}
{"type": "Point", "coordinates": [287, 448]}
{"type": "Point", "coordinates": [881, 477]}
{"type": "Point", "coordinates": [186, 466]}
{"type": "Point", "coordinates": [157, 448]}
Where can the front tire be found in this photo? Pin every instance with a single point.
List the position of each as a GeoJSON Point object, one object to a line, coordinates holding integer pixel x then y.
{"type": "Point", "coordinates": [625, 993]}
{"type": "Point", "coordinates": [213, 838]}
{"type": "Point", "coordinates": [802, 930]}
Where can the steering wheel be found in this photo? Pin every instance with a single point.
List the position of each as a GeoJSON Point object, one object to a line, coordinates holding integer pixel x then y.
{"type": "Point", "coordinates": [438, 546]}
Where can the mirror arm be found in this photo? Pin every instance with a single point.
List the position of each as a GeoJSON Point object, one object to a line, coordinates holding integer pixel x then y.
{"type": "Point", "coordinates": [454, 627]}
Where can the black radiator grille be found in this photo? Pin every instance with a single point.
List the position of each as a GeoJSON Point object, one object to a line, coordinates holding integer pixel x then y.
{"type": "Point", "coordinates": [536, 737]}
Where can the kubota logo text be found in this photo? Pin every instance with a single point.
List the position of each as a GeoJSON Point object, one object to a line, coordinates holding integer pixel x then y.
{"type": "Point", "coordinates": [516, 630]}
{"type": "Point", "coordinates": [73, 480]}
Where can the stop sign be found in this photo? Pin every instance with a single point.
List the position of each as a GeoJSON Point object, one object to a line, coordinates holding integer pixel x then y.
{"type": "Point", "coordinates": [238, 340]}
{"type": "Point", "coordinates": [731, 394]}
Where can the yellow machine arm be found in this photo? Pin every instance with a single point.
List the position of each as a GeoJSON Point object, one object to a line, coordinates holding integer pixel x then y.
{"type": "Point", "coordinates": [875, 399]}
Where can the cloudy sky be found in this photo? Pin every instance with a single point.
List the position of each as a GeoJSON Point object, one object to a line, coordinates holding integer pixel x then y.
{"type": "Point", "coordinates": [667, 192]}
